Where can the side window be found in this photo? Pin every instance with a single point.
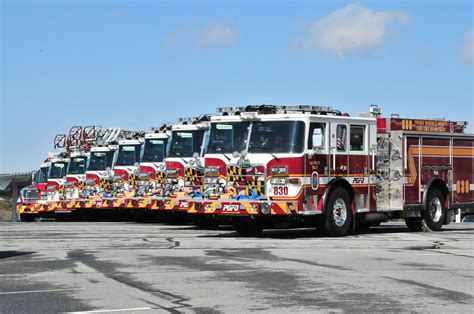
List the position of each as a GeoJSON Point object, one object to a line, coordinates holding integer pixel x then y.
{"type": "Point", "coordinates": [316, 136]}
{"type": "Point", "coordinates": [357, 138]}
{"type": "Point", "coordinates": [341, 135]}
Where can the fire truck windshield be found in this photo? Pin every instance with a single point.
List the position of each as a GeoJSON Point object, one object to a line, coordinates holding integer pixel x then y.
{"type": "Point", "coordinates": [42, 176]}
{"type": "Point", "coordinates": [57, 170]}
{"type": "Point", "coordinates": [77, 165]}
{"type": "Point", "coordinates": [228, 137]}
{"type": "Point", "coordinates": [99, 161]}
{"type": "Point", "coordinates": [277, 137]}
{"type": "Point", "coordinates": [185, 143]}
{"type": "Point", "coordinates": [154, 150]}
{"type": "Point", "coordinates": [128, 155]}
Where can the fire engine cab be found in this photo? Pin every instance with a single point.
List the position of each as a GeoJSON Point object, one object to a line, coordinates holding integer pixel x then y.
{"type": "Point", "coordinates": [33, 197]}
{"type": "Point", "coordinates": [182, 163]}
{"type": "Point", "coordinates": [314, 165]}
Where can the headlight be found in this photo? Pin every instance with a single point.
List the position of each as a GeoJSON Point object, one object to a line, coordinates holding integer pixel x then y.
{"type": "Point", "coordinates": [70, 184]}
{"type": "Point", "coordinates": [211, 180]}
{"type": "Point", "coordinates": [162, 167]}
{"type": "Point", "coordinates": [144, 176]}
{"type": "Point", "coordinates": [117, 178]}
{"type": "Point", "coordinates": [171, 172]}
{"type": "Point", "coordinates": [191, 162]}
{"type": "Point", "coordinates": [211, 170]}
{"type": "Point", "coordinates": [90, 182]}
{"type": "Point", "coordinates": [279, 170]}
{"type": "Point", "coordinates": [278, 181]}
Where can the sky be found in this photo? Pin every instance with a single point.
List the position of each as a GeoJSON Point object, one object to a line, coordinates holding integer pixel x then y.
{"type": "Point", "coordinates": [136, 64]}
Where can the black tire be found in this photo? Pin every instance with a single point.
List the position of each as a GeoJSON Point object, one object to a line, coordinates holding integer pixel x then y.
{"type": "Point", "coordinates": [414, 224]}
{"type": "Point", "coordinates": [363, 226]}
{"type": "Point", "coordinates": [27, 217]}
{"type": "Point", "coordinates": [207, 223]}
{"type": "Point", "coordinates": [435, 212]}
{"type": "Point", "coordinates": [248, 227]}
{"type": "Point", "coordinates": [337, 218]}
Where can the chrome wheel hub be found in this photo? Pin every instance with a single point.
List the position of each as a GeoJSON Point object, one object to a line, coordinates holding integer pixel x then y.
{"type": "Point", "coordinates": [435, 209]}
{"type": "Point", "coordinates": [339, 212]}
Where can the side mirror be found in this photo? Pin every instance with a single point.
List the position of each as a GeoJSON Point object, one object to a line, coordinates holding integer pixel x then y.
{"type": "Point", "coordinates": [317, 138]}
{"type": "Point", "coordinates": [33, 177]}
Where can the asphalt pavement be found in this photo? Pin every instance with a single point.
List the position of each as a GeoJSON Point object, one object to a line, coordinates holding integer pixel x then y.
{"type": "Point", "coordinates": [52, 267]}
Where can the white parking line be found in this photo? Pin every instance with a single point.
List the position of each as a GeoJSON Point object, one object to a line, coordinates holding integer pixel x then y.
{"type": "Point", "coordinates": [114, 310]}
{"type": "Point", "coordinates": [39, 291]}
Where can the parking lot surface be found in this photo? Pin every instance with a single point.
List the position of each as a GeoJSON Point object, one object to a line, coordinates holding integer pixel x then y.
{"type": "Point", "coordinates": [131, 267]}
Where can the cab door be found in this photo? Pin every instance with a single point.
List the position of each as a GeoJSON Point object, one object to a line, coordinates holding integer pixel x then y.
{"type": "Point", "coordinates": [317, 165]}
{"type": "Point", "coordinates": [338, 150]}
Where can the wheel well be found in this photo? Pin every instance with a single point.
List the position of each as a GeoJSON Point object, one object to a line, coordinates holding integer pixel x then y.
{"type": "Point", "coordinates": [436, 183]}
{"type": "Point", "coordinates": [335, 184]}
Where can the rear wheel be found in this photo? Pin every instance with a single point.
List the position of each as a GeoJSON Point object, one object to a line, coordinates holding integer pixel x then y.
{"type": "Point", "coordinates": [435, 211]}
{"type": "Point", "coordinates": [248, 227]}
{"type": "Point", "coordinates": [337, 218]}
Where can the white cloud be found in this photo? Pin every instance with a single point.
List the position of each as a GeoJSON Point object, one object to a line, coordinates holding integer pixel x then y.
{"type": "Point", "coordinates": [467, 56]}
{"type": "Point", "coordinates": [217, 36]}
{"type": "Point", "coordinates": [353, 29]}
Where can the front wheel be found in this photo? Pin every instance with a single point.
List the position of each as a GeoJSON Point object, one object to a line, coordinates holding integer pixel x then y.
{"type": "Point", "coordinates": [248, 227]}
{"type": "Point", "coordinates": [337, 218]}
{"type": "Point", "coordinates": [27, 217]}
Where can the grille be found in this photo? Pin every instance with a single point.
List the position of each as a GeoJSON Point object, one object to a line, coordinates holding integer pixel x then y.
{"type": "Point", "coordinates": [248, 180]}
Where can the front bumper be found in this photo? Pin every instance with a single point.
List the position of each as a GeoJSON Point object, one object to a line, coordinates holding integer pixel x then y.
{"type": "Point", "coordinates": [233, 207]}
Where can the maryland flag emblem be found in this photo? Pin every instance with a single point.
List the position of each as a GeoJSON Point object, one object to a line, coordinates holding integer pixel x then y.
{"type": "Point", "coordinates": [133, 180]}
{"type": "Point", "coordinates": [257, 186]}
{"type": "Point", "coordinates": [191, 175]}
{"type": "Point", "coordinates": [236, 173]}
{"type": "Point", "coordinates": [62, 188]}
{"type": "Point", "coordinates": [104, 184]}
{"type": "Point", "coordinates": [160, 177]}
{"type": "Point", "coordinates": [81, 185]}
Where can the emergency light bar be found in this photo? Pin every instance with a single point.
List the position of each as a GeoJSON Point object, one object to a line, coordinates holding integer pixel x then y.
{"type": "Point", "coordinates": [163, 127]}
{"type": "Point", "coordinates": [272, 109]}
{"type": "Point", "coordinates": [194, 120]}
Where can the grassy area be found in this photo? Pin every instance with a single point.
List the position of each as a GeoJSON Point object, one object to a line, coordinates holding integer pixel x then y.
{"type": "Point", "coordinates": [5, 208]}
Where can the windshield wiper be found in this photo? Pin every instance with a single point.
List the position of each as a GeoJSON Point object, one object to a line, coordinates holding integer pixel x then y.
{"type": "Point", "coordinates": [228, 159]}
{"type": "Point", "coordinates": [268, 149]}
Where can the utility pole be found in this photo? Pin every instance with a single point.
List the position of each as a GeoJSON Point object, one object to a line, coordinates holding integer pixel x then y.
{"type": "Point", "coordinates": [14, 201]}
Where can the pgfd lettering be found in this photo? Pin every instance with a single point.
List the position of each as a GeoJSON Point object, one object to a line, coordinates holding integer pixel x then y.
{"type": "Point", "coordinates": [358, 181]}
{"type": "Point", "coordinates": [231, 208]}
{"type": "Point", "coordinates": [183, 205]}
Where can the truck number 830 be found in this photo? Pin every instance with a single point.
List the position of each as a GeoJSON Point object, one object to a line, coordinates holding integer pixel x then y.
{"type": "Point", "coordinates": [280, 190]}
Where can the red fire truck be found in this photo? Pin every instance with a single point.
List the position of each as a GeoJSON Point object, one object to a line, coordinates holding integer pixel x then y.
{"type": "Point", "coordinates": [148, 180]}
{"type": "Point", "coordinates": [33, 197]}
{"type": "Point", "coordinates": [185, 148]}
{"type": "Point", "coordinates": [313, 165]}
{"type": "Point", "coordinates": [102, 146]}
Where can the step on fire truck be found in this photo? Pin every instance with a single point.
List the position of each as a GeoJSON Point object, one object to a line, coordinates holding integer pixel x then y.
{"type": "Point", "coordinates": [148, 180]}
{"type": "Point", "coordinates": [311, 165]}
{"type": "Point", "coordinates": [33, 197]}
{"type": "Point", "coordinates": [183, 162]}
